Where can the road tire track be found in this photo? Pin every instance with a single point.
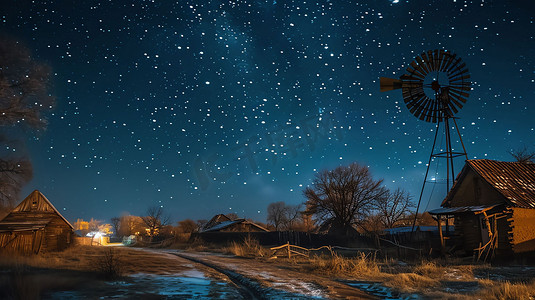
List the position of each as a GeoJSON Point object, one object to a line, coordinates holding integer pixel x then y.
{"type": "Point", "coordinates": [250, 289]}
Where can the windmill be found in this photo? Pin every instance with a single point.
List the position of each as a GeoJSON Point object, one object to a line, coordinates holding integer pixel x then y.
{"type": "Point", "coordinates": [435, 88]}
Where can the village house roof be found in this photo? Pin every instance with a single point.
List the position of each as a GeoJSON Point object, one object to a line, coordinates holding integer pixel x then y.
{"type": "Point", "coordinates": [476, 209]}
{"type": "Point", "coordinates": [515, 181]}
{"type": "Point", "coordinates": [225, 224]}
{"type": "Point", "coordinates": [217, 219]}
{"type": "Point", "coordinates": [24, 217]}
{"type": "Point", "coordinates": [221, 221]}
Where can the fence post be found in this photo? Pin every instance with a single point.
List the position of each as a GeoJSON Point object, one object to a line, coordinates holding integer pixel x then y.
{"type": "Point", "coordinates": [288, 249]}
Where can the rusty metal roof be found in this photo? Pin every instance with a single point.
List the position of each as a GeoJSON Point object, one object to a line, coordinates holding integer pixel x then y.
{"type": "Point", "coordinates": [514, 180]}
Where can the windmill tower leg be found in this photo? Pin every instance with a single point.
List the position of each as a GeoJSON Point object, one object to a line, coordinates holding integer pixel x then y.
{"type": "Point", "coordinates": [425, 177]}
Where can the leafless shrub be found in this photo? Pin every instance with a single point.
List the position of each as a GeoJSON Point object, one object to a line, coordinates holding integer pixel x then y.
{"type": "Point", "coordinates": [110, 265]}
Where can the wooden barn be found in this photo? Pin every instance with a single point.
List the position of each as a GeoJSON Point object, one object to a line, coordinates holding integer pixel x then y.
{"type": "Point", "coordinates": [493, 205]}
{"type": "Point", "coordinates": [35, 226]}
{"type": "Point", "coordinates": [222, 223]}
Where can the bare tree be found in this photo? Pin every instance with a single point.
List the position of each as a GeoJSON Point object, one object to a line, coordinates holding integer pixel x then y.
{"type": "Point", "coordinates": [155, 220]}
{"type": "Point", "coordinates": [393, 207]}
{"type": "Point", "coordinates": [294, 216]}
{"type": "Point", "coordinates": [283, 216]}
{"type": "Point", "coordinates": [24, 97]}
{"type": "Point", "coordinates": [14, 173]}
{"type": "Point", "coordinates": [523, 155]}
{"type": "Point", "coordinates": [341, 198]}
{"type": "Point", "coordinates": [277, 215]}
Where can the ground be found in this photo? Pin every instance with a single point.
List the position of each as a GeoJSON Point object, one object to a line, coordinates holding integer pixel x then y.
{"type": "Point", "coordinates": [180, 274]}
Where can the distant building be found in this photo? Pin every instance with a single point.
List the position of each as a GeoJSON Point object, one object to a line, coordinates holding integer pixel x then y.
{"type": "Point", "coordinates": [493, 203]}
{"type": "Point", "coordinates": [35, 226]}
{"type": "Point", "coordinates": [222, 223]}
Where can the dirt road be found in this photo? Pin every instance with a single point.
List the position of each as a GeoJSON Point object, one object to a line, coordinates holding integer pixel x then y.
{"type": "Point", "coordinates": [273, 281]}
{"type": "Point", "coordinates": [166, 274]}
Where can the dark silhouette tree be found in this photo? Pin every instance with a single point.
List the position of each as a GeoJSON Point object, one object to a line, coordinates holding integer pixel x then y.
{"type": "Point", "coordinates": [283, 216]}
{"type": "Point", "coordinates": [393, 207]}
{"type": "Point", "coordinates": [341, 198]}
{"type": "Point", "coordinates": [276, 214]}
{"type": "Point", "coordinates": [155, 220]}
{"type": "Point", "coordinates": [523, 155]}
{"type": "Point", "coordinates": [24, 98]}
{"type": "Point", "coordinates": [294, 217]}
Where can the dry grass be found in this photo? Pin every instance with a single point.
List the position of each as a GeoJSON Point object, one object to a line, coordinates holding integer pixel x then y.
{"type": "Point", "coordinates": [361, 266]}
{"type": "Point", "coordinates": [197, 245]}
{"type": "Point", "coordinates": [410, 282]}
{"type": "Point", "coordinates": [250, 247]}
{"type": "Point", "coordinates": [508, 291]}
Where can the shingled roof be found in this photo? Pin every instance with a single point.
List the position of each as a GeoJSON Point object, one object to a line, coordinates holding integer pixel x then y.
{"type": "Point", "coordinates": [514, 180]}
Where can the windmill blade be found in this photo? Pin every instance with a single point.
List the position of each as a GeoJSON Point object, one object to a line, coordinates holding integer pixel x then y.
{"type": "Point", "coordinates": [458, 92]}
{"type": "Point", "coordinates": [436, 60]}
{"type": "Point", "coordinates": [449, 59]}
{"type": "Point", "coordinates": [388, 84]}
{"type": "Point", "coordinates": [414, 71]}
{"type": "Point", "coordinates": [441, 59]}
{"type": "Point", "coordinates": [421, 65]}
{"type": "Point", "coordinates": [425, 61]}
{"type": "Point", "coordinates": [431, 62]}
{"type": "Point", "coordinates": [414, 101]}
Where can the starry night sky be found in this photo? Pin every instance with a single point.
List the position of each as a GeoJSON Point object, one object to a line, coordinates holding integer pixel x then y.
{"type": "Point", "coordinates": [209, 107]}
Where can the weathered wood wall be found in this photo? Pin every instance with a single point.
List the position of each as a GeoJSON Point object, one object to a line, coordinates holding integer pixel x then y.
{"type": "Point", "coordinates": [522, 233]}
{"type": "Point", "coordinates": [23, 242]}
{"type": "Point", "coordinates": [469, 232]}
{"type": "Point", "coordinates": [474, 190]}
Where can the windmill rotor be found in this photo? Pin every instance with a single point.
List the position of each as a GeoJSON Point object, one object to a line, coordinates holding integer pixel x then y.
{"type": "Point", "coordinates": [436, 85]}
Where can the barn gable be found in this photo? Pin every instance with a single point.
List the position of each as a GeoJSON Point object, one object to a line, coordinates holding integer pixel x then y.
{"type": "Point", "coordinates": [489, 182]}
{"type": "Point", "coordinates": [35, 206]}
{"type": "Point", "coordinates": [34, 226]}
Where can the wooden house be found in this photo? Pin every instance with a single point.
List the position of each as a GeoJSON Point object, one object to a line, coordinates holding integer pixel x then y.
{"type": "Point", "coordinates": [35, 226]}
{"type": "Point", "coordinates": [222, 223]}
{"type": "Point", "coordinates": [493, 205]}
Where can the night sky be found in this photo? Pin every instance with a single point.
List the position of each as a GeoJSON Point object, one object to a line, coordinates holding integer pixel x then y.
{"type": "Point", "coordinates": [207, 107]}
